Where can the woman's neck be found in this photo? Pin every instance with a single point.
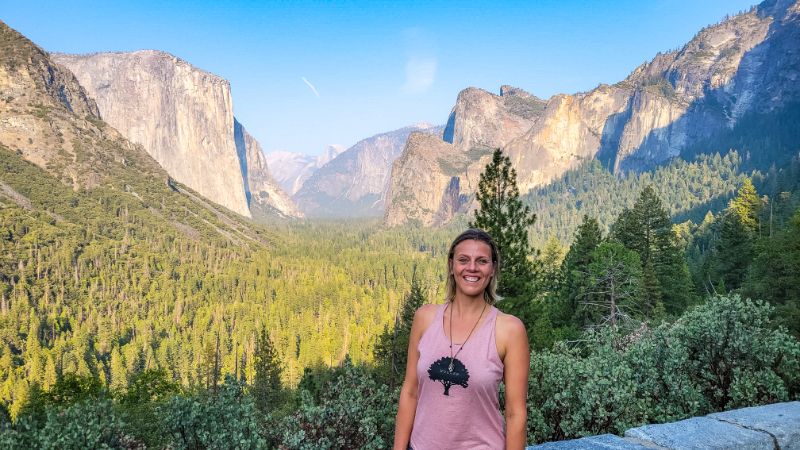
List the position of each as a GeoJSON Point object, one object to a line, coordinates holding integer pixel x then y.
{"type": "Point", "coordinates": [464, 306]}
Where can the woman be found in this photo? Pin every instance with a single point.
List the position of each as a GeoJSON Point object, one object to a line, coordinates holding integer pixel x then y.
{"type": "Point", "coordinates": [457, 354]}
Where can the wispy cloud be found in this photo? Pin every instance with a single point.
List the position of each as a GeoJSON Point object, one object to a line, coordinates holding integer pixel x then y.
{"type": "Point", "coordinates": [420, 74]}
{"type": "Point", "coordinates": [310, 86]}
{"type": "Point", "coordinates": [421, 61]}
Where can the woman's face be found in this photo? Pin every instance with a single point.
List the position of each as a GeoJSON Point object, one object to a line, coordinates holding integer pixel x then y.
{"type": "Point", "coordinates": [472, 267]}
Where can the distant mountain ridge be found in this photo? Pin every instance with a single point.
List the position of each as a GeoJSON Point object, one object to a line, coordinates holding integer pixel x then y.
{"type": "Point", "coordinates": [354, 183]}
{"type": "Point", "coordinates": [292, 169]}
{"type": "Point", "coordinates": [748, 64]}
{"type": "Point", "coordinates": [183, 117]}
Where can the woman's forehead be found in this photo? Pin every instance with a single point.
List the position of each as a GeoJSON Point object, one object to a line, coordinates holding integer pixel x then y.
{"type": "Point", "coordinates": [472, 247]}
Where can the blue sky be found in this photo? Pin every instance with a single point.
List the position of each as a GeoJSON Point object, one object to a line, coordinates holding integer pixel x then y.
{"type": "Point", "coordinates": [308, 74]}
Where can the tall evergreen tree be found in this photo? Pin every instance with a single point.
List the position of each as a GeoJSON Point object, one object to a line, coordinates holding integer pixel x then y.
{"type": "Point", "coordinates": [503, 215]}
{"type": "Point", "coordinates": [551, 258]}
{"type": "Point", "coordinates": [735, 249]}
{"type": "Point", "coordinates": [574, 269]}
{"type": "Point", "coordinates": [746, 206]}
{"type": "Point", "coordinates": [775, 274]}
{"type": "Point", "coordinates": [267, 389]}
{"type": "Point", "coordinates": [646, 228]}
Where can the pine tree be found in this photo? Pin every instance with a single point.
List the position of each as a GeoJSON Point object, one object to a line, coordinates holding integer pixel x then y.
{"type": "Point", "coordinates": [503, 215]}
{"type": "Point", "coordinates": [551, 258]}
{"type": "Point", "coordinates": [391, 350]}
{"type": "Point", "coordinates": [267, 389]}
{"type": "Point", "coordinates": [119, 374]}
{"type": "Point", "coordinates": [746, 206]}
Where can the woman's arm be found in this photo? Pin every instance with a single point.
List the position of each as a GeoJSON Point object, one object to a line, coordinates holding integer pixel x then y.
{"type": "Point", "coordinates": [516, 361]}
{"type": "Point", "coordinates": [408, 393]}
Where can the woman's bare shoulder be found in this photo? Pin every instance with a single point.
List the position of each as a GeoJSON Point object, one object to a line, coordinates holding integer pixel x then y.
{"type": "Point", "coordinates": [425, 314]}
{"type": "Point", "coordinates": [509, 322]}
{"type": "Point", "coordinates": [423, 318]}
{"type": "Point", "coordinates": [509, 327]}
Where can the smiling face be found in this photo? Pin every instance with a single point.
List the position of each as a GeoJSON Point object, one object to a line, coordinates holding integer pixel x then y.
{"type": "Point", "coordinates": [472, 267]}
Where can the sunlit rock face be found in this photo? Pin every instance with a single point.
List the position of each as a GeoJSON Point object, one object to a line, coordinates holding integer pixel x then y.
{"type": "Point", "coordinates": [354, 183]}
{"type": "Point", "coordinates": [436, 178]}
{"type": "Point", "coordinates": [747, 64]}
{"type": "Point", "coordinates": [181, 115]}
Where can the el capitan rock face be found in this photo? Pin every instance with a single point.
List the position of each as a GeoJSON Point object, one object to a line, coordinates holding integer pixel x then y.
{"type": "Point", "coordinates": [354, 183]}
{"type": "Point", "coordinates": [181, 115]}
{"type": "Point", "coordinates": [748, 64]}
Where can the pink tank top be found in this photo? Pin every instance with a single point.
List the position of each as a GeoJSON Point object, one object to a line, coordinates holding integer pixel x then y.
{"type": "Point", "coordinates": [458, 408]}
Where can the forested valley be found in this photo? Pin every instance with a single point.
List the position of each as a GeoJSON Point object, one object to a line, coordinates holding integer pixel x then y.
{"type": "Point", "coordinates": [131, 324]}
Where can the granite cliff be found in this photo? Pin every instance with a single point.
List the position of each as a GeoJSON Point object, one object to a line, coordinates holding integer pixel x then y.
{"type": "Point", "coordinates": [434, 177]}
{"type": "Point", "coordinates": [183, 117]}
{"type": "Point", "coordinates": [354, 183]}
{"type": "Point", "coordinates": [48, 120]}
{"type": "Point", "coordinates": [677, 103]}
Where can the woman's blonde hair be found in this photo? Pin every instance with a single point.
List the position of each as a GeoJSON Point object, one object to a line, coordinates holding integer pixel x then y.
{"type": "Point", "coordinates": [475, 234]}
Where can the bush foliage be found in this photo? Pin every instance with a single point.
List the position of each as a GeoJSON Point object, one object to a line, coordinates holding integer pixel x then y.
{"type": "Point", "coordinates": [721, 355]}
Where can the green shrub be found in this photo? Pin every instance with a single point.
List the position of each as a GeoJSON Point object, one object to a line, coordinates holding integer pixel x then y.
{"type": "Point", "coordinates": [354, 412]}
{"type": "Point", "coordinates": [221, 420]}
{"type": "Point", "coordinates": [86, 424]}
{"type": "Point", "coordinates": [723, 354]}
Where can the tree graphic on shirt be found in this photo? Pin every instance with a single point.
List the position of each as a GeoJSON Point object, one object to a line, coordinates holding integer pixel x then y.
{"type": "Point", "coordinates": [440, 371]}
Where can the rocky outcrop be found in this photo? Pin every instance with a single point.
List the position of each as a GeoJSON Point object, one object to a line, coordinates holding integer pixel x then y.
{"type": "Point", "coordinates": [262, 191]}
{"type": "Point", "coordinates": [481, 119]}
{"type": "Point", "coordinates": [435, 179]}
{"type": "Point", "coordinates": [748, 64]}
{"type": "Point", "coordinates": [354, 183]}
{"type": "Point", "coordinates": [758, 427]}
{"type": "Point", "coordinates": [181, 115]}
{"type": "Point", "coordinates": [292, 169]}
{"type": "Point", "coordinates": [430, 182]}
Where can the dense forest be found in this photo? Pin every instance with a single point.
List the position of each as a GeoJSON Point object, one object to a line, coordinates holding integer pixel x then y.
{"type": "Point", "coordinates": [131, 324]}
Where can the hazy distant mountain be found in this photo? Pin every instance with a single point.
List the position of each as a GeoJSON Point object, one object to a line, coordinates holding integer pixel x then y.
{"type": "Point", "coordinates": [291, 169]}
{"type": "Point", "coordinates": [353, 184]}
{"type": "Point", "coordinates": [181, 115]}
{"type": "Point", "coordinates": [731, 74]}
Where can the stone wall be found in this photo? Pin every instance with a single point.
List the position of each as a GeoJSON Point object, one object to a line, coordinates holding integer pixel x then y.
{"type": "Point", "coordinates": [774, 426]}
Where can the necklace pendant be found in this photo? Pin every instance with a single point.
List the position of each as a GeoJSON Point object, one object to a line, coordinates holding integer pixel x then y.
{"type": "Point", "coordinates": [450, 367]}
